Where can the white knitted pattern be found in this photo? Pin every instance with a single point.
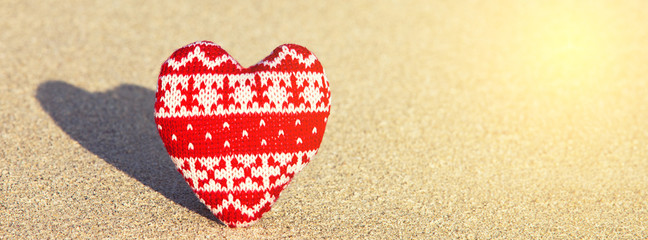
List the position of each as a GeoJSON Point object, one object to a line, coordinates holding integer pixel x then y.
{"type": "Point", "coordinates": [229, 173]}
{"type": "Point", "coordinates": [285, 51]}
{"type": "Point", "coordinates": [201, 56]}
{"type": "Point", "coordinates": [209, 96]}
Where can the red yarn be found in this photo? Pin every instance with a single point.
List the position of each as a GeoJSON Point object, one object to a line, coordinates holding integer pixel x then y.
{"type": "Point", "coordinates": [238, 135]}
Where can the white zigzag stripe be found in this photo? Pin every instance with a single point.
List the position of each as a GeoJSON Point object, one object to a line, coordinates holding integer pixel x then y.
{"type": "Point", "coordinates": [309, 78]}
{"type": "Point", "coordinates": [245, 110]}
{"type": "Point", "coordinates": [230, 173]}
{"type": "Point", "coordinates": [201, 56]}
{"type": "Point", "coordinates": [197, 53]}
{"type": "Point", "coordinates": [287, 51]}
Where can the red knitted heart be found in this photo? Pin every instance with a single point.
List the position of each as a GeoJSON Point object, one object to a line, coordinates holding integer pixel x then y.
{"type": "Point", "coordinates": [238, 135]}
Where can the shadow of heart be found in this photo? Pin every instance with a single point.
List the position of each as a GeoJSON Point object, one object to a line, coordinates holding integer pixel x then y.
{"type": "Point", "coordinates": [119, 127]}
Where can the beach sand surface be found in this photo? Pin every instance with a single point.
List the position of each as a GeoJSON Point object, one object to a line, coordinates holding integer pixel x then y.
{"type": "Point", "coordinates": [450, 119]}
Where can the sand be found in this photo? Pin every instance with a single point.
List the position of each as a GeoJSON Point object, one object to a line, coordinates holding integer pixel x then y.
{"type": "Point", "coordinates": [450, 119]}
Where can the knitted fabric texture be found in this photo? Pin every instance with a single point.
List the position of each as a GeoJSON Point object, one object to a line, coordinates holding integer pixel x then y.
{"type": "Point", "coordinates": [239, 135]}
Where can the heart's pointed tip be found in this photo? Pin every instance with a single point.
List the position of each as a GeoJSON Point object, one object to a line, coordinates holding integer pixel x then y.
{"type": "Point", "coordinates": [236, 217]}
{"type": "Point", "coordinates": [239, 224]}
